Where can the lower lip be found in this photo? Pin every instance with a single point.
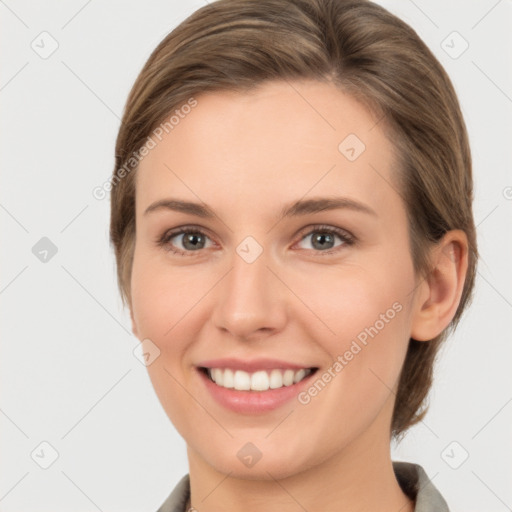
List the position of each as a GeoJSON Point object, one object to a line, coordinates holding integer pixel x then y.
{"type": "Point", "coordinates": [253, 402]}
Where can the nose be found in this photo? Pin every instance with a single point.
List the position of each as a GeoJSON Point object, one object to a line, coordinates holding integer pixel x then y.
{"type": "Point", "coordinates": [250, 302]}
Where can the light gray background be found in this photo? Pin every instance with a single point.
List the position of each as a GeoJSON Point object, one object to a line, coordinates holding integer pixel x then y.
{"type": "Point", "coordinates": [68, 374]}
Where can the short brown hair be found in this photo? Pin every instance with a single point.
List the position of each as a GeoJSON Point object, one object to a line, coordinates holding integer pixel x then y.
{"type": "Point", "coordinates": [365, 51]}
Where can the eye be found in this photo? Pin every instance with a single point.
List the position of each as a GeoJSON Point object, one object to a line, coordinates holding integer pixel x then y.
{"type": "Point", "coordinates": [323, 238]}
{"type": "Point", "coordinates": [192, 239]}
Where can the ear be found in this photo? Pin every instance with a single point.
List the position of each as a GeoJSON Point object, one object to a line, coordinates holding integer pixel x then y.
{"type": "Point", "coordinates": [438, 295]}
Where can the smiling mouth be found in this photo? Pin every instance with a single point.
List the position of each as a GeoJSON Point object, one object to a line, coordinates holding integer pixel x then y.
{"type": "Point", "coordinates": [261, 380]}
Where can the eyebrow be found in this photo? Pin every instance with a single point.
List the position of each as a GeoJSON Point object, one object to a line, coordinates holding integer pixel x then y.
{"type": "Point", "coordinates": [298, 208]}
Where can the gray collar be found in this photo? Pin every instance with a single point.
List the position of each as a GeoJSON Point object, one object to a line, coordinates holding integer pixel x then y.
{"type": "Point", "coordinates": [416, 484]}
{"type": "Point", "coordinates": [412, 479]}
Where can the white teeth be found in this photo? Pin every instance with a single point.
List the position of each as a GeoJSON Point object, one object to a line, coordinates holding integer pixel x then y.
{"type": "Point", "coordinates": [257, 381]}
{"type": "Point", "coordinates": [276, 379]}
{"type": "Point", "coordinates": [218, 376]}
{"type": "Point", "coordinates": [229, 378]}
{"type": "Point", "coordinates": [288, 377]}
{"type": "Point", "coordinates": [242, 381]}
{"type": "Point", "coordinates": [299, 376]}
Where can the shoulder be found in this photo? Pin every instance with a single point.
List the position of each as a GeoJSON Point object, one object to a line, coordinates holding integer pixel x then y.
{"type": "Point", "coordinates": [178, 498]}
{"type": "Point", "coordinates": [415, 482]}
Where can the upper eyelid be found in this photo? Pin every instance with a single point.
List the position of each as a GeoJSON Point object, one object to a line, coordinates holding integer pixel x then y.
{"type": "Point", "coordinates": [305, 230]}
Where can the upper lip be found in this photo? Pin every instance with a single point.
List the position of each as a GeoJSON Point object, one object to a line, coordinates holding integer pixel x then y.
{"type": "Point", "coordinates": [251, 365]}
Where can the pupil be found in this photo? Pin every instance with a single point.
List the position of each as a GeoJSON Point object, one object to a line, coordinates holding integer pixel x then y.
{"type": "Point", "coordinates": [192, 238]}
{"type": "Point", "coordinates": [322, 239]}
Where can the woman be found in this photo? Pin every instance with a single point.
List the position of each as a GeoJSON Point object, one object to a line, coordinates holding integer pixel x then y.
{"type": "Point", "coordinates": [294, 237]}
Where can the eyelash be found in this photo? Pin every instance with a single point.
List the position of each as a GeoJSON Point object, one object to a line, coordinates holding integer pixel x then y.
{"type": "Point", "coordinates": [347, 238]}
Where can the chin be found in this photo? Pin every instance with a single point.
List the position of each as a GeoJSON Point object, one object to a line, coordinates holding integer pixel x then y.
{"type": "Point", "coordinates": [245, 461]}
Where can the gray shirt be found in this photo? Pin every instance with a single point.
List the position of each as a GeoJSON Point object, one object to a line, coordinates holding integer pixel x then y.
{"type": "Point", "coordinates": [412, 479]}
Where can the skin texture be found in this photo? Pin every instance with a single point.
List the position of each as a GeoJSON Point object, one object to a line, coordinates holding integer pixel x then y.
{"type": "Point", "coordinates": [247, 156]}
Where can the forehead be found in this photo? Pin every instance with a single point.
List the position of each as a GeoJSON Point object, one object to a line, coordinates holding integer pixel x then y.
{"type": "Point", "coordinates": [280, 141]}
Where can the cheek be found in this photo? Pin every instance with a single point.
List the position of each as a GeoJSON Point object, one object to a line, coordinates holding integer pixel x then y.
{"type": "Point", "coordinates": [160, 294]}
{"type": "Point", "coordinates": [350, 299]}
{"type": "Point", "coordinates": [168, 308]}
{"type": "Point", "coordinates": [365, 313]}
{"type": "Point", "coordinates": [369, 318]}
{"type": "Point", "coordinates": [164, 310]}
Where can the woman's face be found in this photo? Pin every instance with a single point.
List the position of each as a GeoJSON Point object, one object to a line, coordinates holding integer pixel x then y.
{"type": "Point", "coordinates": [311, 288]}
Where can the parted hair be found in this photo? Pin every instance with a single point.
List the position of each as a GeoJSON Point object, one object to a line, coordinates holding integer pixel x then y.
{"type": "Point", "coordinates": [368, 53]}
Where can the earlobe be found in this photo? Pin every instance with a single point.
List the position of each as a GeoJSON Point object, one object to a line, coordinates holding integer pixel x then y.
{"type": "Point", "coordinates": [134, 325]}
{"type": "Point", "coordinates": [439, 294]}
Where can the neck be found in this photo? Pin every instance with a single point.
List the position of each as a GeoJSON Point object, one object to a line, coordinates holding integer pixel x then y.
{"type": "Point", "coordinates": [358, 478]}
